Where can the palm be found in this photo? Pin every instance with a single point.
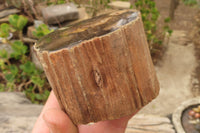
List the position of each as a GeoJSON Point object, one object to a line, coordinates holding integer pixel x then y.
{"type": "Point", "coordinates": [58, 122]}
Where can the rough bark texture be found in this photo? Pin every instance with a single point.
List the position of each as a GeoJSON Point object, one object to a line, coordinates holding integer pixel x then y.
{"type": "Point", "coordinates": [103, 78]}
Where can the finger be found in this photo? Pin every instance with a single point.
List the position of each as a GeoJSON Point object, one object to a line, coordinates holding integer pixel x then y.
{"type": "Point", "coordinates": [40, 126]}
{"type": "Point", "coordinates": [111, 126]}
{"type": "Point", "coordinates": [59, 122]}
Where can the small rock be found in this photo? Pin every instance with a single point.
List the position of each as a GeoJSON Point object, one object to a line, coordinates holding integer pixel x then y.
{"type": "Point", "coordinates": [35, 59]}
{"type": "Point", "coordinates": [39, 7]}
{"type": "Point", "coordinates": [37, 23]}
{"type": "Point", "coordinates": [8, 12]}
{"type": "Point", "coordinates": [13, 98]}
{"type": "Point", "coordinates": [59, 13]}
{"type": "Point", "coordinates": [17, 114]}
{"type": "Point", "coordinates": [4, 20]}
{"type": "Point", "coordinates": [83, 14]}
{"type": "Point", "coordinates": [8, 38]}
{"type": "Point", "coordinates": [16, 124]}
{"type": "Point", "coordinates": [6, 47]}
{"type": "Point", "coordinates": [120, 5]}
{"type": "Point", "coordinates": [53, 27]}
{"type": "Point", "coordinates": [30, 32]}
{"type": "Point", "coordinates": [29, 40]}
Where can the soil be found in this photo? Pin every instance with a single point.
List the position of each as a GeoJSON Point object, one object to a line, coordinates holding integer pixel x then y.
{"type": "Point", "coordinates": [195, 35]}
{"type": "Point", "coordinates": [184, 15]}
{"type": "Point", "coordinates": [187, 19]}
{"type": "Point", "coordinates": [176, 71]}
{"type": "Point", "coordinates": [183, 20]}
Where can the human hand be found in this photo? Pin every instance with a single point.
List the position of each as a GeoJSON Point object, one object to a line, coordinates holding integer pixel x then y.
{"type": "Point", "coordinates": [53, 120]}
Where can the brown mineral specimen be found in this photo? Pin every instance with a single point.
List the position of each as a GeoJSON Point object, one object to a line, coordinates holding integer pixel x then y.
{"type": "Point", "coordinates": [100, 68]}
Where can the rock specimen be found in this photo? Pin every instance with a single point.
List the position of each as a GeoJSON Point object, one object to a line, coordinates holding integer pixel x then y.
{"type": "Point", "coordinates": [100, 68]}
{"type": "Point", "coordinates": [17, 114]}
{"type": "Point", "coordinates": [120, 4]}
{"type": "Point", "coordinates": [7, 12]}
{"type": "Point", "coordinates": [59, 13]}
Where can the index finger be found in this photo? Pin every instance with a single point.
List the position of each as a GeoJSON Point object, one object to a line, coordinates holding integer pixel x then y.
{"type": "Point", "coordinates": [40, 125]}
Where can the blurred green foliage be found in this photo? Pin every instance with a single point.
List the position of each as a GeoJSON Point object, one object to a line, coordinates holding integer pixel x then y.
{"type": "Point", "coordinates": [150, 15]}
{"type": "Point", "coordinates": [41, 31]}
{"type": "Point", "coordinates": [18, 72]}
{"type": "Point", "coordinates": [190, 2]}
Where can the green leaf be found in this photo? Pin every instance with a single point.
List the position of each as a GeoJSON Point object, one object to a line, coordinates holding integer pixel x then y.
{"type": "Point", "coordinates": [154, 17]}
{"type": "Point", "coordinates": [13, 69]}
{"type": "Point", "coordinates": [42, 96]}
{"type": "Point", "coordinates": [46, 92]}
{"type": "Point", "coordinates": [2, 64]}
{"type": "Point", "coordinates": [4, 30]}
{"type": "Point", "coordinates": [160, 42]}
{"type": "Point", "coordinates": [131, 6]}
{"type": "Point", "coordinates": [29, 68]}
{"type": "Point", "coordinates": [39, 96]}
{"type": "Point", "coordinates": [18, 21]}
{"type": "Point", "coordinates": [37, 80]}
{"type": "Point", "coordinates": [41, 31]}
{"type": "Point", "coordinates": [61, 1]}
{"type": "Point", "coordinates": [167, 20]}
{"type": "Point", "coordinates": [166, 28]}
{"type": "Point", "coordinates": [170, 32]}
{"type": "Point", "coordinates": [29, 93]}
{"type": "Point", "coordinates": [3, 54]}
{"type": "Point", "coordinates": [19, 49]}
{"type": "Point", "coordinates": [2, 87]}
{"type": "Point", "coordinates": [152, 4]}
{"type": "Point", "coordinates": [10, 77]}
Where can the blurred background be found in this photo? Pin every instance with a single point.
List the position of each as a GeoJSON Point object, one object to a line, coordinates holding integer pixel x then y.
{"type": "Point", "coordinates": [172, 29]}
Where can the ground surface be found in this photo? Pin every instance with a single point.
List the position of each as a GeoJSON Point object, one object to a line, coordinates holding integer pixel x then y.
{"type": "Point", "coordinates": [17, 114]}
{"type": "Point", "coordinates": [21, 116]}
{"type": "Point", "coordinates": [183, 18]}
{"type": "Point", "coordinates": [178, 66]}
{"type": "Point", "coordinates": [175, 72]}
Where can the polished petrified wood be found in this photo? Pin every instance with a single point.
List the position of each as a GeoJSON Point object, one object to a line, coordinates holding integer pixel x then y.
{"type": "Point", "coordinates": [100, 68]}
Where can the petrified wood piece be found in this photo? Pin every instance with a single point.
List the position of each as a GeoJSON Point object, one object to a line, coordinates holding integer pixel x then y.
{"type": "Point", "coordinates": [100, 69]}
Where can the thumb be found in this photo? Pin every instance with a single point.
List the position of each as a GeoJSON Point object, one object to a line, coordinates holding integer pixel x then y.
{"type": "Point", "coordinates": [58, 122]}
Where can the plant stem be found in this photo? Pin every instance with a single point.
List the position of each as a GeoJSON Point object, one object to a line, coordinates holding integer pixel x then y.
{"type": "Point", "coordinates": [20, 35]}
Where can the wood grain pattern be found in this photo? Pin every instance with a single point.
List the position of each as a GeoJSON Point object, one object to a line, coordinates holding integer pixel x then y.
{"type": "Point", "coordinates": [104, 78]}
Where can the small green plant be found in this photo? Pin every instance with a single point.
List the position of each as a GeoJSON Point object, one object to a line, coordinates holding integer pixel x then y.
{"type": "Point", "coordinates": [150, 15]}
{"type": "Point", "coordinates": [4, 30]}
{"type": "Point", "coordinates": [166, 27]}
{"type": "Point", "coordinates": [24, 75]}
{"type": "Point", "coordinates": [190, 2]}
{"type": "Point", "coordinates": [16, 69]}
{"type": "Point", "coordinates": [42, 30]}
{"type": "Point", "coordinates": [18, 22]}
{"type": "Point", "coordinates": [2, 88]}
{"type": "Point", "coordinates": [61, 1]}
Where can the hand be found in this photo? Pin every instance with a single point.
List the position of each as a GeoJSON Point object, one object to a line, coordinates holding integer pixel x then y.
{"type": "Point", "coordinates": [53, 120]}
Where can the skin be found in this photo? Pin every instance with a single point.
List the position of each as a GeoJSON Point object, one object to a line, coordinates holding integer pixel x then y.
{"type": "Point", "coordinates": [53, 120]}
